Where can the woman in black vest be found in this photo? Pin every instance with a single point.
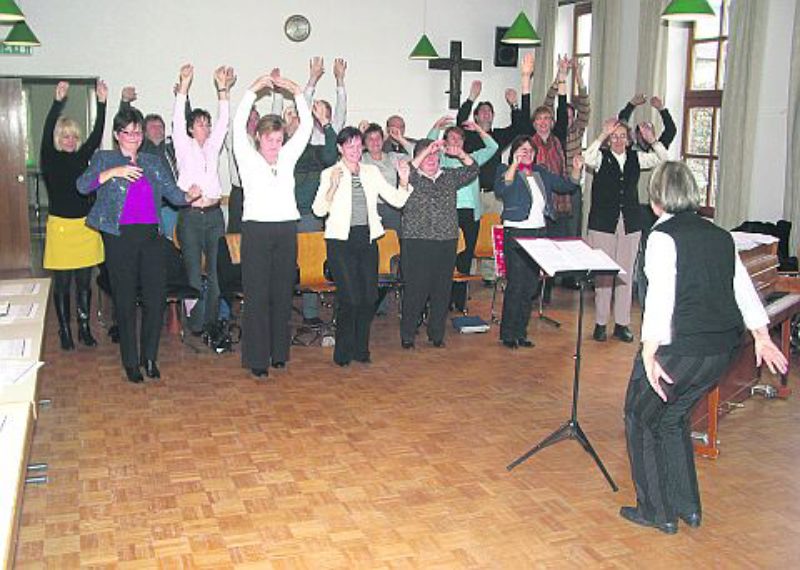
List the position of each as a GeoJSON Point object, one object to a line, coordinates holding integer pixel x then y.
{"type": "Point", "coordinates": [699, 299]}
{"type": "Point", "coordinates": [615, 219]}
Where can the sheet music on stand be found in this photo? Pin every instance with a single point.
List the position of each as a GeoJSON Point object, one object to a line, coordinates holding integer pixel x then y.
{"type": "Point", "coordinates": [558, 256]}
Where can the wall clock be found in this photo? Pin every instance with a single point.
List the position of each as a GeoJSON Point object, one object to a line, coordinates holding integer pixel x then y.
{"type": "Point", "coordinates": [297, 28]}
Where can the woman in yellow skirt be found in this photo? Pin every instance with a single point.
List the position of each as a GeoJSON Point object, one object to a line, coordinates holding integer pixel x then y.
{"type": "Point", "coordinates": [71, 248]}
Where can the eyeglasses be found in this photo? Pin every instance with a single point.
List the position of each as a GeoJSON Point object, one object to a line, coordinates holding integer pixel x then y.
{"type": "Point", "coordinates": [132, 134]}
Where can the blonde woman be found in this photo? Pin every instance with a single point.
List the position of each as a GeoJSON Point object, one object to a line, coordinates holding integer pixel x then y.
{"type": "Point", "coordinates": [72, 248]}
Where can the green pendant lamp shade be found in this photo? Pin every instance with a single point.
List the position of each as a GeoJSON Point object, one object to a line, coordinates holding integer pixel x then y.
{"type": "Point", "coordinates": [521, 32]}
{"type": "Point", "coordinates": [424, 49]}
{"type": "Point", "coordinates": [10, 12]}
{"type": "Point", "coordinates": [22, 35]}
{"type": "Point", "coordinates": [687, 10]}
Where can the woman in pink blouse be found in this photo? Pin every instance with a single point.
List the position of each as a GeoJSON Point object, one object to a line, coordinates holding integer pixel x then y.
{"type": "Point", "coordinates": [197, 149]}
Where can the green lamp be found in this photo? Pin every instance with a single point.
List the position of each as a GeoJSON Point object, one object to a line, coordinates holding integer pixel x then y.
{"type": "Point", "coordinates": [521, 32]}
{"type": "Point", "coordinates": [22, 35]}
{"type": "Point", "coordinates": [10, 12]}
{"type": "Point", "coordinates": [687, 11]}
{"type": "Point", "coordinates": [424, 49]}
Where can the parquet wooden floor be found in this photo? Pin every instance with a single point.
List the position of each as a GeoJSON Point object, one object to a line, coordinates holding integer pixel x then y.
{"type": "Point", "coordinates": [397, 464]}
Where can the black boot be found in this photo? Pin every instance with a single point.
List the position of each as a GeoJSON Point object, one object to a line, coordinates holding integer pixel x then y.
{"type": "Point", "coordinates": [61, 302]}
{"type": "Point", "coordinates": [84, 304]}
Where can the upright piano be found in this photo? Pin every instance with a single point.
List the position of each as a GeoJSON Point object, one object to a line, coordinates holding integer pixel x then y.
{"type": "Point", "coordinates": [781, 297]}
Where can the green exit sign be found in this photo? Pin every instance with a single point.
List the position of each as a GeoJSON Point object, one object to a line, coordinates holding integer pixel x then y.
{"type": "Point", "coordinates": [15, 50]}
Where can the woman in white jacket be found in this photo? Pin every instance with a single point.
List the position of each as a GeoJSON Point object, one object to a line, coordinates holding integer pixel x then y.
{"type": "Point", "coordinates": [348, 195]}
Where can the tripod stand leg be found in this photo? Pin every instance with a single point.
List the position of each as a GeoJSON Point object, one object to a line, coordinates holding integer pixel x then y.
{"type": "Point", "coordinates": [584, 441]}
{"type": "Point", "coordinates": [564, 432]}
{"type": "Point", "coordinates": [542, 317]}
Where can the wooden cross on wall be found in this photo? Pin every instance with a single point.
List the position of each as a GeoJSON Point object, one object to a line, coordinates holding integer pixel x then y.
{"type": "Point", "coordinates": [455, 64]}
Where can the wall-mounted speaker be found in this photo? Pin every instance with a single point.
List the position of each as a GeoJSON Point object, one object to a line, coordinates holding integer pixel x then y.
{"type": "Point", "coordinates": [505, 55]}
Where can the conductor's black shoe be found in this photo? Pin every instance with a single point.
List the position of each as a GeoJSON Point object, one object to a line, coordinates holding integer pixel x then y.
{"type": "Point", "coordinates": [342, 363]}
{"type": "Point", "coordinates": [407, 344]}
{"type": "Point", "coordinates": [525, 343]}
{"type": "Point", "coordinates": [599, 333]}
{"type": "Point", "coordinates": [623, 333]}
{"type": "Point", "coordinates": [632, 514]}
{"type": "Point", "coordinates": [134, 374]}
{"type": "Point", "coordinates": [151, 369]}
{"type": "Point", "coordinates": [363, 358]}
{"type": "Point", "coordinates": [278, 364]}
{"type": "Point", "coordinates": [512, 344]}
{"type": "Point", "coordinates": [437, 343]}
{"type": "Point", "coordinates": [259, 372]}
{"type": "Point", "coordinates": [692, 519]}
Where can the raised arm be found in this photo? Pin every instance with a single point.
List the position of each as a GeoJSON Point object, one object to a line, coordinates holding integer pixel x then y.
{"type": "Point", "coordinates": [669, 132]}
{"type": "Point", "coordinates": [581, 100]}
{"type": "Point", "coordinates": [94, 139]}
{"type": "Point", "coordinates": [316, 69]}
{"type": "Point", "coordinates": [340, 109]}
{"type": "Point", "coordinates": [465, 109]}
{"type": "Point", "coordinates": [627, 111]}
{"type": "Point", "coordinates": [294, 147]}
{"type": "Point", "coordinates": [180, 137]}
{"type": "Point", "coordinates": [48, 132]}
{"type": "Point", "coordinates": [224, 78]}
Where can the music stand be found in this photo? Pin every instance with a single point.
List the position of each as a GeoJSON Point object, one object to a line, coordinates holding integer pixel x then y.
{"type": "Point", "coordinates": [571, 429]}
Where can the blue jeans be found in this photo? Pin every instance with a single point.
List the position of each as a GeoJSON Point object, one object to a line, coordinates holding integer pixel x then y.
{"type": "Point", "coordinates": [198, 233]}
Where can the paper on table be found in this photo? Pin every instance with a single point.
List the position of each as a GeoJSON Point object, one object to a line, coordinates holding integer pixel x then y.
{"type": "Point", "coordinates": [8, 289]}
{"type": "Point", "coordinates": [19, 311]}
{"type": "Point", "coordinates": [15, 371]}
{"type": "Point", "coordinates": [15, 348]}
{"type": "Point", "coordinates": [555, 256]}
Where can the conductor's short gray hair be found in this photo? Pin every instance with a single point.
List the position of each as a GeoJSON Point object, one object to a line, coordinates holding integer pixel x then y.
{"type": "Point", "coordinates": [674, 189]}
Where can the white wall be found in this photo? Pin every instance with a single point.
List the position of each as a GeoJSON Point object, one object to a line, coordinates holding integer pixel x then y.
{"type": "Point", "coordinates": [144, 43]}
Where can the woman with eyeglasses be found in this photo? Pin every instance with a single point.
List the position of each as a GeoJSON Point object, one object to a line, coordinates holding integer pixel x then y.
{"type": "Point", "coordinates": [129, 186]}
{"type": "Point", "coordinates": [615, 217]}
{"type": "Point", "coordinates": [71, 249]}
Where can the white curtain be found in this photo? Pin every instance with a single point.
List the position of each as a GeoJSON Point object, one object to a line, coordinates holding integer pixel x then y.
{"type": "Point", "coordinates": [604, 74]}
{"type": "Point", "coordinates": [651, 76]}
{"type": "Point", "coordinates": [747, 33]}
{"type": "Point", "coordinates": [791, 197]}
{"type": "Point", "coordinates": [544, 71]}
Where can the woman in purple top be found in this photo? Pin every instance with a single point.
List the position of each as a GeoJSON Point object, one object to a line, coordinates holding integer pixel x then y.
{"type": "Point", "coordinates": [129, 188]}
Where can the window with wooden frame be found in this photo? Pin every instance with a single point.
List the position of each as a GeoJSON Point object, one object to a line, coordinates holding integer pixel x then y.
{"type": "Point", "coordinates": [582, 40]}
{"type": "Point", "coordinates": [705, 82]}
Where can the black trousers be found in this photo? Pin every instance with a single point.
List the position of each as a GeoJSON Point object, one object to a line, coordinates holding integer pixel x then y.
{"type": "Point", "coordinates": [135, 260]}
{"type": "Point", "coordinates": [427, 267]}
{"type": "Point", "coordinates": [659, 437]}
{"type": "Point", "coordinates": [235, 207]}
{"type": "Point", "coordinates": [470, 227]}
{"type": "Point", "coordinates": [269, 270]}
{"type": "Point", "coordinates": [522, 275]}
{"type": "Point", "coordinates": [354, 264]}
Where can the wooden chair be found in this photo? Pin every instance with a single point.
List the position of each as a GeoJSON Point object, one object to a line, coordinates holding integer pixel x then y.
{"type": "Point", "coordinates": [484, 247]}
{"type": "Point", "coordinates": [459, 277]}
{"type": "Point", "coordinates": [388, 266]}
{"type": "Point", "coordinates": [311, 256]}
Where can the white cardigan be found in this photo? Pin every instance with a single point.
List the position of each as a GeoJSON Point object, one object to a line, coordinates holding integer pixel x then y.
{"type": "Point", "coordinates": [339, 210]}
